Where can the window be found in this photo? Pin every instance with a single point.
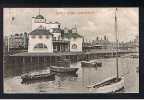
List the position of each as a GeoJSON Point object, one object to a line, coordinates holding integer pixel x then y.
{"type": "Point", "coordinates": [40, 45]}
{"type": "Point", "coordinates": [58, 26]}
{"type": "Point", "coordinates": [59, 37]}
{"type": "Point", "coordinates": [54, 38]}
{"type": "Point", "coordinates": [74, 46]}
{"type": "Point", "coordinates": [47, 36]}
{"type": "Point", "coordinates": [40, 36]}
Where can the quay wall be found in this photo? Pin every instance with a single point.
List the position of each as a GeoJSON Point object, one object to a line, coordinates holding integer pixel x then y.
{"type": "Point", "coordinates": [51, 59]}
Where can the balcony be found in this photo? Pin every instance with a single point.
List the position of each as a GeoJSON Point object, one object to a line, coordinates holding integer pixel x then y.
{"type": "Point", "coordinates": [61, 41]}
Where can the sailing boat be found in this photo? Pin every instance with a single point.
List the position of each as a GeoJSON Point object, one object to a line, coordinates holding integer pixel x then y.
{"type": "Point", "coordinates": [111, 84]}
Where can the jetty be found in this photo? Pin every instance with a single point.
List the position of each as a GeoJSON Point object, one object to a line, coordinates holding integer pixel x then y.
{"type": "Point", "coordinates": [52, 58]}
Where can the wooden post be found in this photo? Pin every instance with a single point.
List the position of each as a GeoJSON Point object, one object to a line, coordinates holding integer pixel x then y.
{"type": "Point", "coordinates": [31, 60]}
{"type": "Point", "coordinates": [23, 60]}
{"type": "Point", "coordinates": [38, 60]}
{"type": "Point", "coordinates": [50, 61]}
{"type": "Point", "coordinates": [14, 60]}
{"type": "Point", "coordinates": [44, 60]}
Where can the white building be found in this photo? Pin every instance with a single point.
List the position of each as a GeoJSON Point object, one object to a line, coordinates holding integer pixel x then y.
{"type": "Point", "coordinates": [39, 20]}
{"type": "Point", "coordinates": [40, 40]}
{"type": "Point", "coordinates": [48, 37]}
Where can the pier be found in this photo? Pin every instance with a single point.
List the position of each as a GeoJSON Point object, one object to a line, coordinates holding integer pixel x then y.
{"type": "Point", "coordinates": [48, 59]}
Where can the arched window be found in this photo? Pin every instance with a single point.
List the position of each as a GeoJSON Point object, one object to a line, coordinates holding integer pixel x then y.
{"type": "Point", "coordinates": [74, 46]}
{"type": "Point", "coordinates": [40, 45]}
{"type": "Point", "coordinates": [40, 36]}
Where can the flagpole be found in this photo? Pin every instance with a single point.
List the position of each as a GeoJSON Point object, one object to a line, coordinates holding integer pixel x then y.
{"type": "Point", "coordinates": [9, 35]}
{"type": "Point", "coordinates": [11, 22]}
{"type": "Point", "coordinates": [8, 43]}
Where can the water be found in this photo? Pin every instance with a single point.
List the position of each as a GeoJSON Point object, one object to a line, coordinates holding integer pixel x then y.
{"type": "Point", "coordinates": [77, 83]}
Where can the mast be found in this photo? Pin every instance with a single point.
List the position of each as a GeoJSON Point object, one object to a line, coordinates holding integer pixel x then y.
{"type": "Point", "coordinates": [116, 33]}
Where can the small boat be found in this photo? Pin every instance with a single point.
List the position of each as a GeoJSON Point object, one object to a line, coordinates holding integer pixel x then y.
{"type": "Point", "coordinates": [90, 64]}
{"type": "Point", "coordinates": [134, 56]}
{"type": "Point", "coordinates": [63, 66]}
{"type": "Point", "coordinates": [63, 69]}
{"type": "Point", "coordinates": [64, 63]}
{"type": "Point", "coordinates": [109, 85]}
{"type": "Point", "coordinates": [37, 76]}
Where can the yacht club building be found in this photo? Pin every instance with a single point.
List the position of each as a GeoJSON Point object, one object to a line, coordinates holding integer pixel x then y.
{"type": "Point", "coordinates": [49, 37]}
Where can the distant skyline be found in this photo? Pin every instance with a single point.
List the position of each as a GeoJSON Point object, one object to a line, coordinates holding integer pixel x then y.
{"type": "Point", "coordinates": [91, 22]}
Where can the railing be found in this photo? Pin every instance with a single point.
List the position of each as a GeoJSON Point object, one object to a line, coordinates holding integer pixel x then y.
{"type": "Point", "coordinates": [62, 40]}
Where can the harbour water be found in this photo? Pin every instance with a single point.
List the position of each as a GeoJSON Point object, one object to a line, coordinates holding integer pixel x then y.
{"type": "Point", "coordinates": [75, 83]}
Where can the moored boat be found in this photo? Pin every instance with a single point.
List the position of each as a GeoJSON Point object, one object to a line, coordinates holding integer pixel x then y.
{"type": "Point", "coordinates": [109, 85]}
{"type": "Point", "coordinates": [63, 66]}
{"type": "Point", "coordinates": [63, 69]}
{"type": "Point", "coordinates": [90, 64]}
{"type": "Point", "coordinates": [37, 76]}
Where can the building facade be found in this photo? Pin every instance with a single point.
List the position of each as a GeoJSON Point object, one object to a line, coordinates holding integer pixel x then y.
{"type": "Point", "coordinates": [49, 37]}
{"type": "Point", "coordinates": [18, 41]}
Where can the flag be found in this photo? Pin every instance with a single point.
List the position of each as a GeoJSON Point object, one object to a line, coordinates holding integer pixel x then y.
{"type": "Point", "coordinates": [12, 19]}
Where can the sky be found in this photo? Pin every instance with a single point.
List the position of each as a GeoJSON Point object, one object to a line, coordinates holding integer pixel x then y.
{"type": "Point", "coordinates": [91, 22]}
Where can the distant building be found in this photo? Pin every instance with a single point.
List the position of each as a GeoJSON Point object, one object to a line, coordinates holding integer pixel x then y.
{"type": "Point", "coordinates": [18, 41]}
{"type": "Point", "coordinates": [49, 37]}
{"type": "Point", "coordinates": [97, 44]}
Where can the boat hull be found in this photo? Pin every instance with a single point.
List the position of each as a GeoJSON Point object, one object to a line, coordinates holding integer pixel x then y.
{"type": "Point", "coordinates": [63, 69]}
{"type": "Point", "coordinates": [111, 88]}
{"type": "Point", "coordinates": [28, 78]}
{"type": "Point", "coordinates": [90, 64]}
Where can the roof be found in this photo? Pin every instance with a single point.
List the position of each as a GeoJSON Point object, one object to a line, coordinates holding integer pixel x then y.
{"type": "Point", "coordinates": [39, 17]}
{"type": "Point", "coordinates": [53, 22]}
{"type": "Point", "coordinates": [67, 53]}
{"type": "Point", "coordinates": [46, 54]}
{"type": "Point", "coordinates": [40, 32]}
{"type": "Point", "coordinates": [72, 35]}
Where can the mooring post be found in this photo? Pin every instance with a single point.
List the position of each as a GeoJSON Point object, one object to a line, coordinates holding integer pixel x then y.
{"type": "Point", "coordinates": [38, 60]}
{"type": "Point", "coordinates": [30, 59]}
{"type": "Point", "coordinates": [15, 60]}
{"type": "Point", "coordinates": [44, 60]}
{"type": "Point", "coordinates": [49, 60]}
{"type": "Point", "coordinates": [23, 60]}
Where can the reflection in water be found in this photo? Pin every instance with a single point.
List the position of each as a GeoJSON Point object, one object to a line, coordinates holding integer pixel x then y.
{"type": "Point", "coordinates": [73, 82]}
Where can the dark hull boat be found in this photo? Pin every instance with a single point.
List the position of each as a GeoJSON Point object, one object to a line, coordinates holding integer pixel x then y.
{"type": "Point", "coordinates": [63, 66]}
{"type": "Point", "coordinates": [63, 69]}
{"type": "Point", "coordinates": [67, 74]}
{"type": "Point", "coordinates": [30, 77]}
{"type": "Point", "coordinates": [91, 64]}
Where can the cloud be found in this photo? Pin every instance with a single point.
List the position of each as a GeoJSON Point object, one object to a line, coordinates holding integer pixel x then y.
{"type": "Point", "coordinates": [100, 22]}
